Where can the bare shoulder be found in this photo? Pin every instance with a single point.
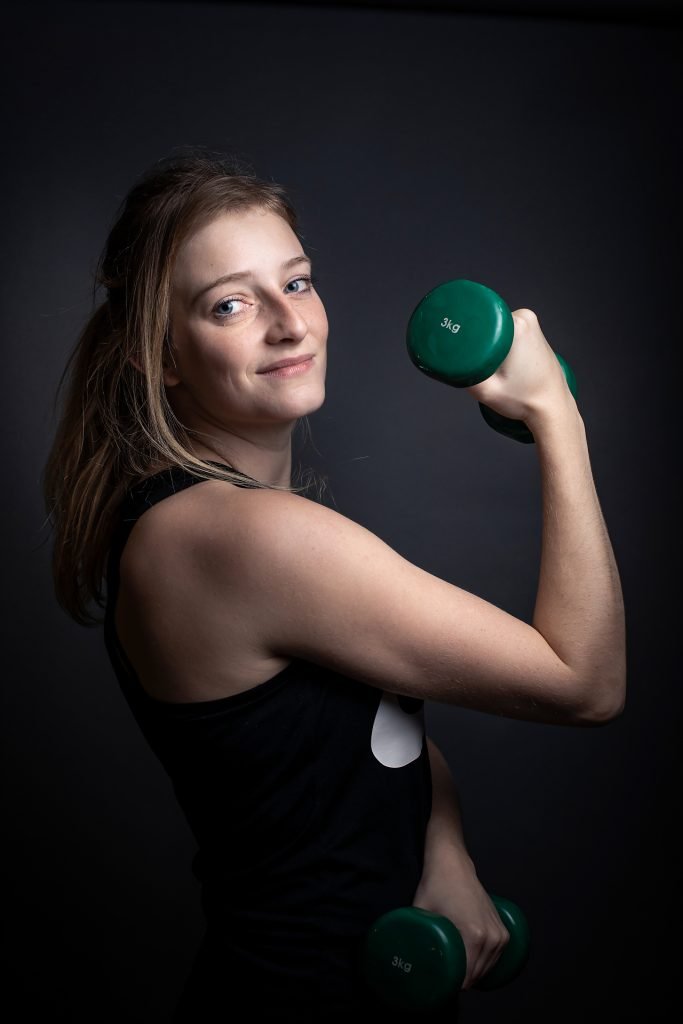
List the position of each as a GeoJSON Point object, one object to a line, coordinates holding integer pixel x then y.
{"type": "Point", "coordinates": [287, 552]}
{"type": "Point", "coordinates": [211, 539]}
{"type": "Point", "coordinates": [177, 526]}
{"type": "Point", "coordinates": [187, 638]}
{"type": "Point", "coordinates": [274, 528]}
{"type": "Point", "coordinates": [218, 519]}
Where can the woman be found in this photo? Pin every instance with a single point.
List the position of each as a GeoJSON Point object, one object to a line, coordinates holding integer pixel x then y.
{"type": "Point", "coordinates": [275, 654]}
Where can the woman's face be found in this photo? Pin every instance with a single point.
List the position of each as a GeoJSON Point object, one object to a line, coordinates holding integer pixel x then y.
{"type": "Point", "coordinates": [242, 304]}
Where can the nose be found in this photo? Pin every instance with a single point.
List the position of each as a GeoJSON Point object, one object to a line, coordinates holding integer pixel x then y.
{"type": "Point", "coordinates": [286, 322]}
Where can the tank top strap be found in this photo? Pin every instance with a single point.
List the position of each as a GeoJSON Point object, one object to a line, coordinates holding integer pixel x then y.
{"type": "Point", "coordinates": [153, 489]}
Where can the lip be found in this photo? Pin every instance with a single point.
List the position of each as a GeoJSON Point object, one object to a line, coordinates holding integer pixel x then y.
{"type": "Point", "coordinates": [289, 367]}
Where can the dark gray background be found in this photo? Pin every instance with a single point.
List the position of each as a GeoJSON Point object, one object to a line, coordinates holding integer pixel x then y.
{"type": "Point", "coordinates": [534, 152]}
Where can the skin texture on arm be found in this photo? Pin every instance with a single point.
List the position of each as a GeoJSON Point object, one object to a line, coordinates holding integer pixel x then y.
{"type": "Point", "coordinates": [449, 884]}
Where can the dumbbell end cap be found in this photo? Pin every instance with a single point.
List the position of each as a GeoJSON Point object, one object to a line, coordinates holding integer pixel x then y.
{"type": "Point", "coordinates": [414, 959]}
{"type": "Point", "coordinates": [460, 332]}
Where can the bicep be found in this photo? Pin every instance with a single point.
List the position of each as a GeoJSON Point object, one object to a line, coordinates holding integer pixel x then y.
{"type": "Point", "coordinates": [327, 590]}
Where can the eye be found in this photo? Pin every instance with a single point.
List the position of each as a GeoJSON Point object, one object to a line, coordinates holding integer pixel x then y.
{"type": "Point", "coordinates": [305, 282]}
{"type": "Point", "coordinates": [226, 308]}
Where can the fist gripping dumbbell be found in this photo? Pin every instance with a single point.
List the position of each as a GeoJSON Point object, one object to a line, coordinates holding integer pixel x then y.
{"type": "Point", "coordinates": [460, 333]}
{"type": "Point", "coordinates": [415, 960]}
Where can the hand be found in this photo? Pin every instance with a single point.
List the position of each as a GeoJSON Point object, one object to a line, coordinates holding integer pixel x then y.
{"type": "Point", "coordinates": [459, 896]}
{"type": "Point", "coordinates": [529, 379]}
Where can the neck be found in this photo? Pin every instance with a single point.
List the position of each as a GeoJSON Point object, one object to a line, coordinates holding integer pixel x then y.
{"type": "Point", "coordinates": [265, 455]}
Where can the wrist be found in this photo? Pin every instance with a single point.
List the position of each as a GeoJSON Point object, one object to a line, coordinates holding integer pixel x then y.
{"type": "Point", "coordinates": [559, 413]}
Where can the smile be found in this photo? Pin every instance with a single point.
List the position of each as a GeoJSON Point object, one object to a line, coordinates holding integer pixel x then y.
{"type": "Point", "coordinates": [289, 367]}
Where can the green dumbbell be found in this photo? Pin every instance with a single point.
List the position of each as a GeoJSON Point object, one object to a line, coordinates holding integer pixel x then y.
{"type": "Point", "coordinates": [460, 333]}
{"type": "Point", "coordinates": [415, 960]}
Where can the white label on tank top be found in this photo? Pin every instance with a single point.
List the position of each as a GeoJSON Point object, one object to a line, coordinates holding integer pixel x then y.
{"type": "Point", "coordinates": [397, 731]}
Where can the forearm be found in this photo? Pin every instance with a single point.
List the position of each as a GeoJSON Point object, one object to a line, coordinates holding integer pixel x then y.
{"type": "Point", "coordinates": [579, 605]}
{"type": "Point", "coordinates": [449, 886]}
{"type": "Point", "coordinates": [445, 849]}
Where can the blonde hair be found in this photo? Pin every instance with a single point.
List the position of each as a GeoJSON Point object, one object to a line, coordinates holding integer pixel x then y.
{"type": "Point", "coordinates": [116, 422]}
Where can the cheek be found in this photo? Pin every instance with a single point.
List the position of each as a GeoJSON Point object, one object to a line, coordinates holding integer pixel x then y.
{"type": "Point", "coordinates": [207, 356]}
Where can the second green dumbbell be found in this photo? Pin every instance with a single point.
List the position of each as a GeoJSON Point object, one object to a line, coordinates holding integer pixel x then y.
{"type": "Point", "coordinates": [415, 960]}
{"type": "Point", "coordinates": [460, 333]}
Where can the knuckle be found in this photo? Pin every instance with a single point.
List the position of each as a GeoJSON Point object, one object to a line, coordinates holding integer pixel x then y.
{"type": "Point", "coordinates": [527, 316]}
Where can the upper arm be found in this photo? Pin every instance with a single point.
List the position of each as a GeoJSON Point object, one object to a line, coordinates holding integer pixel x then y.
{"type": "Point", "coordinates": [320, 587]}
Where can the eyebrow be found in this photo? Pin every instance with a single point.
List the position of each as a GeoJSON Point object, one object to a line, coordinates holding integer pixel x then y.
{"type": "Point", "coordinates": [241, 275]}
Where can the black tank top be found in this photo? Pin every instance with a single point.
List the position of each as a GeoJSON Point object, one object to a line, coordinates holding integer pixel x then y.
{"type": "Point", "coordinates": [308, 796]}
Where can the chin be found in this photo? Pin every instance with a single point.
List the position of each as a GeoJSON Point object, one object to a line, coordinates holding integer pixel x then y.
{"type": "Point", "coordinates": [314, 406]}
{"type": "Point", "coordinates": [310, 402]}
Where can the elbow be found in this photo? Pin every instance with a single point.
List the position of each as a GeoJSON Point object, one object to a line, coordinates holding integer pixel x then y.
{"type": "Point", "coordinates": [601, 709]}
{"type": "Point", "coordinates": [603, 716]}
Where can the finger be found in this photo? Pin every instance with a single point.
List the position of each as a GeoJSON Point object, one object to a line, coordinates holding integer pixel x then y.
{"type": "Point", "coordinates": [481, 959]}
{"type": "Point", "coordinates": [474, 954]}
